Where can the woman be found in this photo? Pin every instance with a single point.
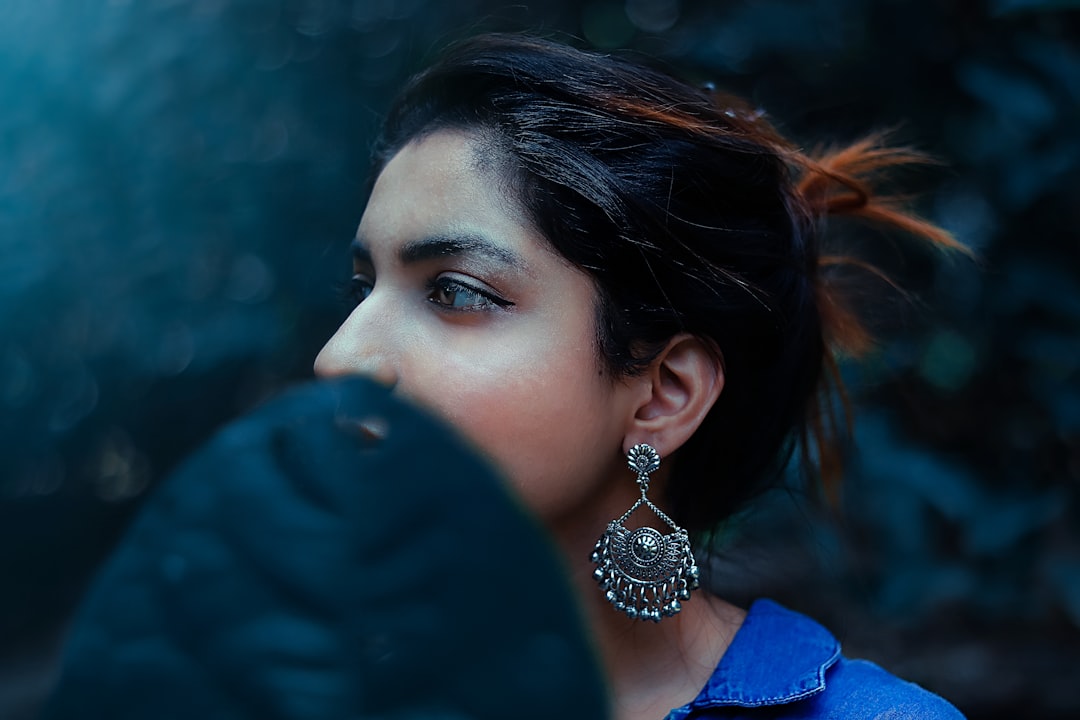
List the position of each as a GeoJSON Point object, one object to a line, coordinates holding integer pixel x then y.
{"type": "Point", "coordinates": [572, 259]}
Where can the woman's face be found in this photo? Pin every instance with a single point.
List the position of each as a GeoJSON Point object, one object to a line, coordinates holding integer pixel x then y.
{"type": "Point", "coordinates": [465, 309]}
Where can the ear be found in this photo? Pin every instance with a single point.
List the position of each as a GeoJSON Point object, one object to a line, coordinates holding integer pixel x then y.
{"type": "Point", "coordinates": [681, 386]}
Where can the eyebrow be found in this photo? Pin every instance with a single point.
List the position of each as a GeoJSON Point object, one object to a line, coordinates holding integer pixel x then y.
{"type": "Point", "coordinates": [433, 247]}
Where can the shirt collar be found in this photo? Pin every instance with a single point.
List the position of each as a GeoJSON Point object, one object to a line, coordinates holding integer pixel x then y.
{"type": "Point", "coordinates": [777, 657]}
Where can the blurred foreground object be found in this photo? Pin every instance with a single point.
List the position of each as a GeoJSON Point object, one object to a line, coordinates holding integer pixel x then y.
{"type": "Point", "coordinates": [333, 555]}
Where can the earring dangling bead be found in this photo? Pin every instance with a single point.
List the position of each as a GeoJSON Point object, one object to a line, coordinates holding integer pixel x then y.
{"type": "Point", "coordinates": [642, 572]}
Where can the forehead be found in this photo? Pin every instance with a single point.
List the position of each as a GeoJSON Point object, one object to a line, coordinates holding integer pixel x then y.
{"type": "Point", "coordinates": [449, 180]}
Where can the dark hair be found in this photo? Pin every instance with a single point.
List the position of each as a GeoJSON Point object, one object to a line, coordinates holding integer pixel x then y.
{"type": "Point", "coordinates": [692, 214]}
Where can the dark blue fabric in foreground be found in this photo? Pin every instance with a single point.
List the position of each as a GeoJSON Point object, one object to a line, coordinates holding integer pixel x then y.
{"type": "Point", "coordinates": [784, 666]}
{"type": "Point", "coordinates": [296, 568]}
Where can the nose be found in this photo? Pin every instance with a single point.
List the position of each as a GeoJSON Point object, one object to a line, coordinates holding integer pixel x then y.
{"type": "Point", "coordinates": [361, 346]}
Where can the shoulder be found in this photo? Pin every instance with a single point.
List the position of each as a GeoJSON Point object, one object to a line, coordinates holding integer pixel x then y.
{"type": "Point", "coordinates": [782, 664]}
{"type": "Point", "coordinates": [857, 689]}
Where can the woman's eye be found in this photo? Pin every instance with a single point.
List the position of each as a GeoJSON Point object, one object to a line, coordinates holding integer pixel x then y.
{"type": "Point", "coordinates": [360, 287]}
{"type": "Point", "coordinates": [455, 295]}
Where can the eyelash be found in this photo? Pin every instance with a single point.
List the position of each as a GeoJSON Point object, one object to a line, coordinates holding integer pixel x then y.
{"type": "Point", "coordinates": [359, 289]}
{"type": "Point", "coordinates": [350, 291]}
{"type": "Point", "coordinates": [488, 300]}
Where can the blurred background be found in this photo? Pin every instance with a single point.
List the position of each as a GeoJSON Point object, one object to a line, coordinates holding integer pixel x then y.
{"type": "Point", "coordinates": [179, 180]}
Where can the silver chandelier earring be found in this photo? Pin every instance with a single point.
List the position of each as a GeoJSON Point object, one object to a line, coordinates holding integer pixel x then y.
{"type": "Point", "coordinates": [642, 572]}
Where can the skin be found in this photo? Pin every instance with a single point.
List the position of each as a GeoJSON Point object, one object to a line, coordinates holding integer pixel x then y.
{"type": "Point", "coordinates": [501, 345]}
{"type": "Point", "coordinates": [467, 310]}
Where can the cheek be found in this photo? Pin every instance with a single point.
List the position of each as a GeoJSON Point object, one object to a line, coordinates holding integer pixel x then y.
{"type": "Point", "coordinates": [538, 411]}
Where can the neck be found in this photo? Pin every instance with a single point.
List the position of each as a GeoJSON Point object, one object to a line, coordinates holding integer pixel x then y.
{"type": "Point", "coordinates": [651, 667]}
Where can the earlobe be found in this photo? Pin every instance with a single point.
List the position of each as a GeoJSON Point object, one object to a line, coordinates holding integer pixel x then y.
{"type": "Point", "coordinates": [683, 384]}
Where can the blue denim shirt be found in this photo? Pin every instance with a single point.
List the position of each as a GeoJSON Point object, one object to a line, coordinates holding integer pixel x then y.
{"type": "Point", "coordinates": [784, 665]}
